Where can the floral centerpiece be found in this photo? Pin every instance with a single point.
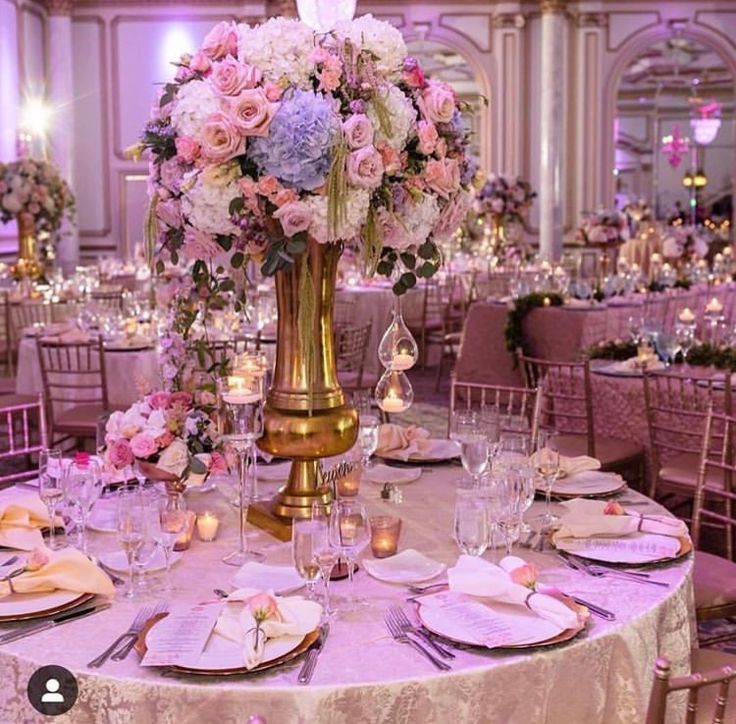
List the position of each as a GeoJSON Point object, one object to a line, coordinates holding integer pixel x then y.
{"type": "Point", "coordinates": [172, 437]}
{"type": "Point", "coordinates": [685, 243]}
{"type": "Point", "coordinates": [34, 193]}
{"type": "Point", "coordinates": [603, 228]}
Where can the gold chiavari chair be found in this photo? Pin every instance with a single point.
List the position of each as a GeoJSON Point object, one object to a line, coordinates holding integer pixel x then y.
{"type": "Point", "coordinates": [351, 348]}
{"type": "Point", "coordinates": [75, 386]}
{"type": "Point", "coordinates": [714, 576]}
{"type": "Point", "coordinates": [7, 348]}
{"type": "Point", "coordinates": [27, 314]}
{"type": "Point", "coordinates": [433, 306]}
{"type": "Point", "coordinates": [707, 687]}
{"type": "Point", "coordinates": [108, 298]}
{"type": "Point", "coordinates": [344, 310]}
{"type": "Point", "coordinates": [22, 434]}
{"type": "Point", "coordinates": [677, 405]}
{"type": "Point", "coordinates": [567, 409]}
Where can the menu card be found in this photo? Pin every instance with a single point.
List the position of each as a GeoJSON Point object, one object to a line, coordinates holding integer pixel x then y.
{"type": "Point", "coordinates": [634, 548]}
{"type": "Point", "coordinates": [180, 638]}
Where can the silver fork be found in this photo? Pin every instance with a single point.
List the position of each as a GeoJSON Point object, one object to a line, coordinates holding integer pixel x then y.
{"type": "Point", "coordinates": [598, 572]}
{"type": "Point", "coordinates": [430, 587]}
{"type": "Point", "coordinates": [409, 628]}
{"type": "Point", "coordinates": [398, 635]}
{"type": "Point", "coordinates": [125, 649]}
{"type": "Point", "coordinates": [133, 630]}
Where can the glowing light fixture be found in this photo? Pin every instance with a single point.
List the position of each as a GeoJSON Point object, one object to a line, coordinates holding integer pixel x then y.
{"type": "Point", "coordinates": [706, 125]}
{"type": "Point", "coordinates": [35, 118]}
{"type": "Point", "coordinates": [324, 15]}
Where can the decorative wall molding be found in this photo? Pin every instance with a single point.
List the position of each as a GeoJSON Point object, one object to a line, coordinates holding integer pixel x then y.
{"type": "Point", "coordinates": [617, 32]}
{"type": "Point", "coordinates": [591, 20]}
{"type": "Point", "coordinates": [59, 7]}
{"type": "Point", "coordinates": [481, 33]}
{"type": "Point", "coordinates": [718, 19]}
{"type": "Point", "coordinates": [509, 20]}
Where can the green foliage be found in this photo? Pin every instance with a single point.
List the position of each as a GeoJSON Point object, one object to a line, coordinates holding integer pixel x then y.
{"type": "Point", "coordinates": [513, 332]}
{"type": "Point", "coordinates": [617, 351]}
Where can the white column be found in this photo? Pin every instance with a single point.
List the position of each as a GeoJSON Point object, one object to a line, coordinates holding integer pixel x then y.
{"type": "Point", "coordinates": [552, 129]}
{"type": "Point", "coordinates": [61, 95]}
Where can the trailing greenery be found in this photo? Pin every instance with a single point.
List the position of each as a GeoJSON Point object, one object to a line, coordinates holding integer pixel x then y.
{"type": "Point", "coordinates": [513, 332]}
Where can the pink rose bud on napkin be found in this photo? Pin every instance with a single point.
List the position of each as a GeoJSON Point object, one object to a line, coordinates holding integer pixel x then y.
{"type": "Point", "coordinates": [37, 559]}
{"type": "Point", "coordinates": [525, 575]}
{"type": "Point", "coordinates": [613, 507]}
{"type": "Point", "coordinates": [263, 606]}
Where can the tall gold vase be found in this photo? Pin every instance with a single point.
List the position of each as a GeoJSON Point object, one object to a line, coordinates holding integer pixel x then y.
{"type": "Point", "coordinates": [300, 425]}
{"type": "Point", "coordinates": [27, 264]}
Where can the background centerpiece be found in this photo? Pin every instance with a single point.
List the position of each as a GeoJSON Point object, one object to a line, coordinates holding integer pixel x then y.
{"type": "Point", "coordinates": [605, 230]}
{"type": "Point", "coordinates": [279, 145]}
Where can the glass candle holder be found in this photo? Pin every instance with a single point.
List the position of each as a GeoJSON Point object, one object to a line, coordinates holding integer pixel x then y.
{"type": "Point", "coordinates": [207, 526]}
{"type": "Point", "coordinates": [385, 531]}
{"type": "Point", "coordinates": [349, 485]}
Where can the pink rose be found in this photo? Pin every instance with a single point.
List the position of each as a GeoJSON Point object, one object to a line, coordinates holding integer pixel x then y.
{"type": "Point", "coordinates": [169, 212]}
{"type": "Point", "coordinates": [329, 77]}
{"type": "Point", "coordinates": [187, 148]}
{"type": "Point", "coordinates": [159, 400]}
{"type": "Point", "coordinates": [206, 397]}
{"type": "Point", "coordinates": [221, 138]}
{"type": "Point", "coordinates": [497, 206]}
{"type": "Point", "coordinates": [443, 176]}
{"type": "Point", "coordinates": [268, 186]}
{"type": "Point", "coordinates": [218, 463]}
{"type": "Point", "coordinates": [143, 445]}
{"type": "Point", "coordinates": [525, 575]}
{"type": "Point", "coordinates": [358, 131]}
{"type": "Point", "coordinates": [252, 112]}
{"type": "Point", "coordinates": [613, 507]}
{"type": "Point", "coordinates": [119, 453]}
{"type": "Point", "coordinates": [230, 76]}
{"type": "Point", "coordinates": [393, 231]}
{"type": "Point", "coordinates": [284, 197]}
{"type": "Point", "coordinates": [428, 137]}
{"type": "Point", "coordinates": [221, 41]}
{"type": "Point", "coordinates": [182, 398]}
{"type": "Point", "coordinates": [294, 217]}
{"type": "Point", "coordinates": [414, 75]}
{"type": "Point", "coordinates": [37, 559]}
{"type": "Point", "coordinates": [199, 245]}
{"type": "Point", "coordinates": [263, 606]}
{"type": "Point", "coordinates": [451, 217]}
{"type": "Point", "coordinates": [437, 102]}
{"type": "Point", "coordinates": [183, 74]}
{"type": "Point", "coordinates": [273, 91]}
{"type": "Point", "coordinates": [365, 168]}
{"type": "Point", "coordinates": [200, 63]}
{"type": "Point", "coordinates": [163, 441]}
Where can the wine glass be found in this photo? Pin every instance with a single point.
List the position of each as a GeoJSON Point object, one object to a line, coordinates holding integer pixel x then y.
{"type": "Point", "coordinates": [50, 488]}
{"type": "Point", "coordinates": [547, 461]}
{"type": "Point", "coordinates": [172, 522]}
{"type": "Point", "coordinates": [146, 551]}
{"type": "Point", "coordinates": [667, 347]}
{"type": "Point", "coordinates": [303, 537]}
{"type": "Point", "coordinates": [685, 335]}
{"type": "Point", "coordinates": [130, 529]}
{"type": "Point", "coordinates": [490, 424]}
{"type": "Point", "coordinates": [636, 328]}
{"type": "Point", "coordinates": [367, 438]}
{"type": "Point", "coordinates": [325, 554]}
{"type": "Point", "coordinates": [349, 534]}
{"type": "Point", "coordinates": [471, 522]}
{"type": "Point", "coordinates": [82, 485]}
{"type": "Point", "coordinates": [509, 520]}
{"type": "Point", "coordinates": [474, 453]}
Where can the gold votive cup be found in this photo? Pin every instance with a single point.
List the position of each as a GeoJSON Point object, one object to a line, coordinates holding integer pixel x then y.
{"type": "Point", "coordinates": [183, 542]}
{"type": "Point", "coordinates": [349, 485]}
{"type": "Point", "coordinates": [385, 531]}
{"type": "Point", "coordinates": [207, 526]}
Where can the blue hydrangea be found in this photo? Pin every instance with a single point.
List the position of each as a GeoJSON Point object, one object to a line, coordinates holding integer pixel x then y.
{"type": "Point", "coordinates": [298, 148]}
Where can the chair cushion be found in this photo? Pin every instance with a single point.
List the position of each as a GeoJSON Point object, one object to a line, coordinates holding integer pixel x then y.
{"type": "Point", "coordinates": [706, 660]}
{"type": "Point", "coordinates": [714, 581]}
{"type": "Point", "coordinates": [610, 451]}
{"type": "Point", "coordinates": [682, 472]}
{"type": "Point", "coordinates": [79, 417]}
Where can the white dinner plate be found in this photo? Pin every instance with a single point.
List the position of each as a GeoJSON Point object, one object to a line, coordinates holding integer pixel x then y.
{"type": "Point", "coordinates": [439, 451]}
{"type": "Point", "coordinates": [586, 484]}
{"type": "Point", "coordinates": [117, 561]}
{"type": "Point", "coordinates": [282, 580]}
{"type": "Point", "coordinates": [103, 518]}
{"type": "Point", "coordinates": [409, 566]}
{"type": "Point", "coordinates": [19, 605]}
{"type": "Point", "coordinates": [634, 548]}
{"type": "Point", "coordinates": [381, 474]}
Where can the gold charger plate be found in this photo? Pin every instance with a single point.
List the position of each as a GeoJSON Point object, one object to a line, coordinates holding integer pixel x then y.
{"type": "Point", "coordinates": [561, 637]}
{"type": "Point", "coordinates": [141, 648]}
{"type": "Point", "coordinates": [686, 546]}
{"type": "Point", "coordinates": [82, 598]}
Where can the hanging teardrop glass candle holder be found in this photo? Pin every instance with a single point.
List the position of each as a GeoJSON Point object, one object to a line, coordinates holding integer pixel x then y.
{"type": "Point", "coordinates": [394, 393]}
{"type": "Point", "coordinates": [398, 350]}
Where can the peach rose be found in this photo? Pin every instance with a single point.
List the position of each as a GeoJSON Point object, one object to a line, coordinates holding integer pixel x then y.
{"type": "Point", "coordinates": [284, 197]}
{"type": "Point", "coordinates": [273, 91]}
{"type": "Point", "coordinates": [182, 398]}
{"type": "Point", "coordinates": [365, 168]}
{"type": "Point", "coordinates": [451, 217]}
{"type": "Point", "coordinates": [391, 159]}
{"type": "Point", "coordinates": [222, 40]}
{"type": "Point", "coordinates": [230, 77]}
{"type": "Point", "coordinates": [294, 217]}
{"type": "Point", "coordinates": [268, 186]}
{"type": "Point", "coordinates": [428, 137]}
{"type": "Point", "coordinates": [263, 606]}
{"type": "Point", "coordinates": [443, 176]}
{"type": "Point", "coordinates": [221, 139]}
{"type": "Point", "coordinates": [252, 112]}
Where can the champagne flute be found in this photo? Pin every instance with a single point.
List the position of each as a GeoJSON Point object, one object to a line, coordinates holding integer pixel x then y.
{"type": "Point", "coordinates": [471, 523]}
{"type": "Point", "coordinates": [303, 536]}
{"type": "Point", "coordinates": [172, 522]}
{"type": "Point", "coordinates": [146, 551]}
{"type": "Point", "coordinates": [130, 529]}
{"type": "Point", "coordinates": [349, 533]}
{"type": "Point", "coordinates": [548, 467]}
{"type": "Point", "coordinates": [367, 438]}
{"type": "Point", "coordinates": [325, 554]}
{"type": "Point", "coordinates": [50, 488]}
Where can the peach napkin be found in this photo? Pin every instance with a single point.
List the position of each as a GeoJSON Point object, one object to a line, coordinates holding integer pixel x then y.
{"type": "Point", "coordinates": [21, 521]}
{"type": "Point", "coordinates": [293, 616]}
{"type": "Point", "coordinates": [477, 577]}
{"type": "Point", "coordinates": [402, 442]}
{"type": "Point", "coordinates": [571, 466]}
{"type": "Point", "coordinates": [67, 569]}
{"type": "Point", "coordinates": [72, 336]}
{"type": "Point", "coordinates": [588, 518]}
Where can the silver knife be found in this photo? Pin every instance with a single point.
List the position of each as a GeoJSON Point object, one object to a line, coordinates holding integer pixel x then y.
{"type": "Point", "coordinates": [305, 675]}
{"type": "Point", "coordinates": [55, 621]}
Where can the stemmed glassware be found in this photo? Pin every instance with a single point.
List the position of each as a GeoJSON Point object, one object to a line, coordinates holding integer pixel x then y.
{"type": "Point", "coordinates": [636, 328]}
{"type": "Point", "coordinates": [304, 535]}
{"type": "Point", "coordinates": [667, 346]}
{"type": "Point", "coordinates": [349, 534]}
{"type": "Point", "coordinates": [685, 336]}
{"type": "Point", "coordinates": [82, 483]}
{"type": "Point", "coordinates": [472, 530]}
{"type": "Point", "coordinates": [548, 467]}
{"type": "Point", "coordinates": [172, 522]}
{"type": "Point", "coordinates": [325, 555]}
{"type": "Point", "coordinates": [368, 426]}
{"type": "Point", "coordinates": [242, 421]}
{"type": "Point", "coordinates": [50, 488]}
{"type": "Point", "coordinates": [474, 444]}
{"type": "Point", "coordinates": [146, 551]}
{"type": "Point", "coordinates": [130, 529]}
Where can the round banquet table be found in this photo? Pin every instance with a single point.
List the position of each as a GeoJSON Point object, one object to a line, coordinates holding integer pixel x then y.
{"type": "Point", "coordinates": [602, 676]}
{"type": "Point", "coordinates": [130, 374]}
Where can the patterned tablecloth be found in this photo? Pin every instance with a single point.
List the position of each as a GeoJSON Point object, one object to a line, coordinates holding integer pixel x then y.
{"type": "Point", "coordinates": [603, 676]}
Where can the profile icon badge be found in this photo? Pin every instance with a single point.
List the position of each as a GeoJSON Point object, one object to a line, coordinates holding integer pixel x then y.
{"type": "Point", "coordinates": [52, 690]}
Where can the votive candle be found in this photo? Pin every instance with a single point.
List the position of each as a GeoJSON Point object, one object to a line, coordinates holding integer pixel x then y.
{"type": "Point", "coordinates": [385, 531]}
{"type": "Point", "coordinates": [207, 526]}
{"type": "Point", "coordinates": [686, 316]}
{"type": "Point", "coordinates": [714, 306]}
{"type": "Point", "coordinates": [348, 485]}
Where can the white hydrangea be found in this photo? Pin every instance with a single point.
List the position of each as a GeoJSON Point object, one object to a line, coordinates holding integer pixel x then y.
{"type": "Point", "coordinates": [280, 48]}
{"type": "Point", "coordinates": [195, 101]}
{"type": "Point", "coordinates": [206, 206]}
{"type": "Point", "coordinates": [403, 119]}
{"type": "Point", "coordinates": [420, 217]}
{"type": "Point", "coordinates": [358, 201]}
{"type": "Point", "coordinates": [378, 37]}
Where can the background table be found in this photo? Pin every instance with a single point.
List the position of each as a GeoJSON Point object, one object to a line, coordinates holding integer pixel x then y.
{"type": "Point", "coordinates": [603, 676]}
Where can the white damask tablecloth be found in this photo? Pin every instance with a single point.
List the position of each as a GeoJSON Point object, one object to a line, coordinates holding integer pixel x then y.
{"type": "Point", "coordinates": [601, 677]}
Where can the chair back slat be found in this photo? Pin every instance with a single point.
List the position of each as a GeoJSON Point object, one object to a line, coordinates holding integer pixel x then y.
{"type": "Point", "coordinates": [22, 434]}
{"type": "Point", "coordinates": [351, 349]}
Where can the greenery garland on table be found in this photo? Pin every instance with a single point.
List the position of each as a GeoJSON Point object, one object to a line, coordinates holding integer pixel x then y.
{"type": "Point", "coordinates": [655, 286]}
{"type": "Point", "coordinates": [513, 332]}
{"type": "Point", "coordinates": [618, 351]}
{"type": "Point", "coordinates": [700, 355]}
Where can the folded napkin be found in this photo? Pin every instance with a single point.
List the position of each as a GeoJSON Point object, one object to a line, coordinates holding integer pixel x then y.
{"type": "Point", "coordinates": [402, 442]}
{"type": "Point", "coordinates": [294, 616]}
{"type": "Point", "coordinates": [67, 569]}
{"type": "Point", "coordinates": [477, 577]}
{"type": "Point", "coordinates": [597, 518]}
{"type": "Point", "coordinates": [72, 336]}
{"type": "Point", "coordinates": [633, 364]}
{"type": "Point", "coordinates": [572, 466]}
{"type": "Point", "coordinates": [21, 521]}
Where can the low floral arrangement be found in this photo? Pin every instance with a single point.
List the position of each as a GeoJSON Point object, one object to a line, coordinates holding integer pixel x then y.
{"type": "Point", "coordinates": [708, 355]}
{"type": "Point", "coordinates": [506, 196]}
{"type": "Point", "coordinates": [637, 211]}
{"type": "Point", "coordinates": [617, 350]}
{"type": "Point", "coordinates": [35, 191]}
{"type": "Point", "coordinates": [685, 243]}
{"type": "Point", "coordinates": [174, 433]}
{"type": "Point", "coordinates": [513, 331]}
{"type": "Point", "coordinates": [603, 228]}
{"type": "Point", "coordinates": [680, 283]}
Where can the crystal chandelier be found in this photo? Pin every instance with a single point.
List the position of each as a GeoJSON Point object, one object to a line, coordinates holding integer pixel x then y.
{"type": "Point", "coordinates": [674, 146]}
{"type": "Point", "coordinates": [324, 15]}
{"type": "Point", "coordinates": [706, 125]}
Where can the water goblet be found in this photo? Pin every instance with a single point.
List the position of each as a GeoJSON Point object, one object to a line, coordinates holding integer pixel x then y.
{"type": "Point", "coordinates": [474, 453]}
{"type": "Point", "coordinates": [50, 488]}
